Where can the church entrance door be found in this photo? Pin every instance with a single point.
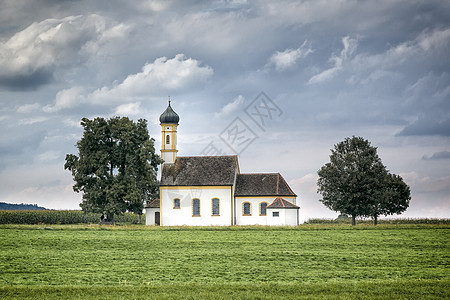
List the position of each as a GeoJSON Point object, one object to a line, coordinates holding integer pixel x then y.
{"type": "Point", "coordinates": [157, 220]}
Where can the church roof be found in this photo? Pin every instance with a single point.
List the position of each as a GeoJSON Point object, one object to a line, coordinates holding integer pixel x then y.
{"type": "Point", "coordinates": [262, 184]}
{"type": "Point", "coordinates": [200, 171]}
{"type": "Point", "coordinates": [281, 203]}
{"type": "Point", "coordinates": [153, 204]}
{"type": "Point", "coordinates": [169, 116]}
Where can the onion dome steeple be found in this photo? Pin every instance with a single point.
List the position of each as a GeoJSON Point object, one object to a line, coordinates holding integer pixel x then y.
{"type": "Point", "coordinates": [169, 116]}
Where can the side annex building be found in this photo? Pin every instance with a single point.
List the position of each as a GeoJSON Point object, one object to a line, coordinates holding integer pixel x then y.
{"type": "Point", "coordinates": [211, 190]}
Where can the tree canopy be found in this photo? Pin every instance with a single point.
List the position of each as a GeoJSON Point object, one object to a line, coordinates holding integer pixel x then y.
{"type": "Point", "coordinates": [355, 182]}
{"type": "Point", "coordinates": [116, 169]}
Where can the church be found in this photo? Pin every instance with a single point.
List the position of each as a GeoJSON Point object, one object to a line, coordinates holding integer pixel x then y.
{"type": "Point", "coordinates": [212, 191]}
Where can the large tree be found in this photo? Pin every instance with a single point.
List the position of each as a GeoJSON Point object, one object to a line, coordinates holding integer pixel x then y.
{"type": "Point", "coordinates": [116, 168]}
{"type": "Point", "coordinates": [356, 182]}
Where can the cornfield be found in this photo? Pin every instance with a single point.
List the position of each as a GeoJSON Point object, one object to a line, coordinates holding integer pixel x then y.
{"type": "Point", "coordinates": [59, 217]}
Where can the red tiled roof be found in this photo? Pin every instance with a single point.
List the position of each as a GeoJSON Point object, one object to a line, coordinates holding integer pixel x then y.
{"type": "Point", "coordinates": [153, 204]}
{"type": "Point", "coordinates": [281, 203]}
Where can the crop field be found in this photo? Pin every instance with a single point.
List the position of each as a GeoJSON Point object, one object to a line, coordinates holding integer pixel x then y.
{"type": "Point", "coordinates": [309, 261]}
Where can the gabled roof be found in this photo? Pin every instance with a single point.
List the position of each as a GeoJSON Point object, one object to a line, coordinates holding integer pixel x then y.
{"type": "Point", "coordinates": [264, 184]}
{"type": "Point", "coordinates": [200, 171]}
{"type": "Point", "coordinates": [153, 204]}
{"type": "Point", "coordinates": [281, 203]}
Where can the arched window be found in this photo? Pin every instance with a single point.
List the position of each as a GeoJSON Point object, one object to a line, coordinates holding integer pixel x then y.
{"type": "Point", "coordinates": [215, 207]}
{"type": "Point", "coordinates": [176, 203]}
{"type": "Point", "coordinates": [262, 208]}
{"type": "Point", "coordinates": [246, 209]}
{"type": "Point", "coordinates": [196, 207]}
{"type": "Point", "coordinates": [167, 139]}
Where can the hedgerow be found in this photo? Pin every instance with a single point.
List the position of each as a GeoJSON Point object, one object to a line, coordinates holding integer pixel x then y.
{"type": "Point", "coordinates": [59, 217]}
{"type": "Point", "coordinates": [434, 221]}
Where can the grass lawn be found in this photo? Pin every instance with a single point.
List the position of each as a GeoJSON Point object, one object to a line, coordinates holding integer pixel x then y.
{"type": "Point", "coordinates": [388, 261]}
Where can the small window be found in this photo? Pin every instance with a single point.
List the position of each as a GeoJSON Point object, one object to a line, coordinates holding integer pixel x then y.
{"type": "Point", "coordinates": [262, 208]}
{"type": "Point", "coordinates": [196, 207]}
{"type": "Point", "coordinates": [246, 209]}
{"type": "Point", "coordinates": [167, 139]}
{"type": "Point", "coordinates": [275, 214]}
{"type": "Point", "coordinates": [176, 203]}
{"type": "Point", "coordinates": [215, 205]}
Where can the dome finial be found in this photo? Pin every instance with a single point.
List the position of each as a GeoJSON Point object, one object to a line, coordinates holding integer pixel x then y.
{"type": "Point", "coordinates": [169, 116]}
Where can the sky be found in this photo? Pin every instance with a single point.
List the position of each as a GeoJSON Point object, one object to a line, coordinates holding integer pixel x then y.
{"type": "Point", "coordinates": [277, 82]}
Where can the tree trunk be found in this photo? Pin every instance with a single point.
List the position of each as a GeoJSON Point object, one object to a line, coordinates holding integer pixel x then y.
{"type": "Point", "coordinates": [140, 218]}
{"type": "Point", "coordinates": [375, 219]}
{"type": "Point", "coordinates": [353, 220]}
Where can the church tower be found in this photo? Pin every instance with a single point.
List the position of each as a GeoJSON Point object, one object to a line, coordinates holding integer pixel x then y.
{"type": "Point", "coordinates": [169, 123]}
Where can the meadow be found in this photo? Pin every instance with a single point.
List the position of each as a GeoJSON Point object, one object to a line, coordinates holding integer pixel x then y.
{"type": "Point", "coordinates": [310, 261]}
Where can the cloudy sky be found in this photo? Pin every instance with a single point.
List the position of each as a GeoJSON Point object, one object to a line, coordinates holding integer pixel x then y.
{"type": "Point", "coordinates": [327, 69]}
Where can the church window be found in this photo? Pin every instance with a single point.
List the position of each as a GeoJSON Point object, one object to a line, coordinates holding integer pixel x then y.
{"type": "Point", "coordinates": [215, 205]}
{"type": "Point", "coordinates": [246, 209]}
{"type": "Point", "coordinates": [167, 139]}
{"type": "Point", "coordinates": [196, 207]}
{"type": "Point", "coordinates": [275, 214]}
{"type": "Point", "coordinates": [262, 208]}
{"type": "Point", "coordinates": [176, 203]}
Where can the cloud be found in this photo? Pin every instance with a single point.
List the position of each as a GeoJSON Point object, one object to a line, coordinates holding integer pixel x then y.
{"type": "Point", "coordinates": [15, 146]}
{"type": "Point", "coordinates": [31, 57]}
{"type": "Point", "coordinates": [32, 120]}
{"type": "Point", "coordinates": [430, 46]}
{"type": "Point", "coordinates": [48, 156]}
{"type": "Point", "coordinates": [128, 109]}
{"type": "Point", "coordinates": [420, 183]}
{"type": "Point", "coordinates": [158, 78]}
{"type": "Point", "coordinates": [438, 41]}
{"type": "Point", "coordinates": [28, 108]}
{"type": "Point", "coordinates": [289, 57]}
{"type": "Point", "coordinates": [66, 99]}
{"type": "Point", "coordinates": [427, 126]}
{"type": "Point", "coordinates": [438, 156]}
{"type": "Point", "coordinates": [350, 46]}
{"type": "Point", "coordinates": [161, 77]}
{"type": "Point", "coordinates": [230, 107]}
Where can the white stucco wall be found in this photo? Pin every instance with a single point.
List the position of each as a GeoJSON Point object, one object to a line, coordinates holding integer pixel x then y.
{"type": "Point", "coordinates": [287, 217]}
{"type": "Point", "coordinates": [171, 216]}
{"type": "Point", "coordinates": [256, 218]}
{"type": "Point", "coordinates": [150, 216]}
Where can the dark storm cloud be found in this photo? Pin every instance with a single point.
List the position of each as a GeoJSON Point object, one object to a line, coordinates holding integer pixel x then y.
{"type": "Point", "coordinates": [427, 127]}
{"type": "Point", "coordinates": [13, 148]}
{"type": "Point", "coordinates": [438, 156]}
{"type": "Point", "coordinates": [19, 82]}
{"type": "Point", "coordinates": [35, 55]}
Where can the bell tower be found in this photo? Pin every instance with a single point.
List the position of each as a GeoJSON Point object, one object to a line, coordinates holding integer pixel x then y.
{"type": "Point", "coordinates": [169, 122]}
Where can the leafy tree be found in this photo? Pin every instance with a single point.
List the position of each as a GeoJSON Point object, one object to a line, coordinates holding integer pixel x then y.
{"type": "Point", "coordinates": [395, 198]}
{"type": "Point", "coordinates": [116, 168]}
{"type": "Point", "coordinates": [355, 182]}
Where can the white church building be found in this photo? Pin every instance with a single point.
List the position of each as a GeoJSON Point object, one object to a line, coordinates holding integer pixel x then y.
{"type": "Point", "coordinates": [211, 190]}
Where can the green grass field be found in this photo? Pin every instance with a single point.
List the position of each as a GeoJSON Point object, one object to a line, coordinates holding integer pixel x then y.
{"type": "Point", "coordinates": [310, 261]}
